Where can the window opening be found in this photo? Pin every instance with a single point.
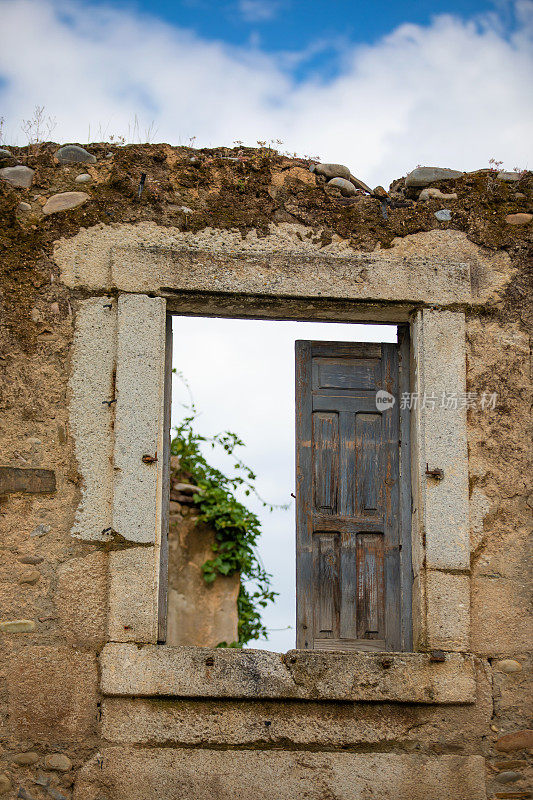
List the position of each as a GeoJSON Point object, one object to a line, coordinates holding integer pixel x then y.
{"type": "Point", "coordinates": [241, 376]}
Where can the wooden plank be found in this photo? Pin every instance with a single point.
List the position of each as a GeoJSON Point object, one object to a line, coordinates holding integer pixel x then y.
{"type": "Point", "coordinates": [324, 522]}
{"type": "Point", "coordinates": [347, 476]}
{"type": "Point", "coordinates": [365, 403]}
{"type": "Point", "coordinates": [325, 440]}
{"type": "Point", "coordinates": [367, 445]}
{"type": "Point", "coordinates": [354, 349]}
{"type": "Point", "coordinates": [338, 645]}
{"type": "Point", "coordinates": [28, 480]}
{"type": "Point", "coordinates": [304, 499]}
{"type": "Point", "coordinates": [326, 585]}
{"type": "Point", "coordinates": [348, 609]}
{"type": "Point", "coordinates": [346, 373]}
{"type": "Point", "coordinates": [165, 510]}
{"type": "Point", "coordinates": [370, 586]}
{"type": "Point", "coordinates": [406, 563]}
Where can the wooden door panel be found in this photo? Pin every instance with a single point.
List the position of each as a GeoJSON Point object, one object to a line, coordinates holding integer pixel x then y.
{"type": "Point", "coordinates": [370, 586]}
{"type": "Point", "coordinates": [367, 439]}
{"type": "Point", "coordinates": [348, 471]}
{"type": "Point", "coordinates": [326, 581]}
{"type": "Point", "coordinates": [325, 460]}
{"type": "Point", "coordinates": [348, 526]}
{"type": "Point", "coordinates": [346, 373]}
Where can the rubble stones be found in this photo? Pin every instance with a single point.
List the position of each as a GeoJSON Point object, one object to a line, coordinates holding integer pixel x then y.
{"type": "Point", "coordinates": [187, 488]}
{"type": "Point", "coordinates": [508, 776]}
{"type": "Point", "coordinates": [31, 559]}
{"type": "Point", "coordinates": [54, 794]}
{"type": "Point", "coordinates": [58, 762]}
{"type": "Point", "coordinates": [26, 759]}
{"type": "Point", "coordinates": [6, 158]}
{"type": "Point", "coordinates": [40, 530]}
{"type": "Point", "coordinates": [509, 665]}
{"type": "Point", "coordinates": [24, 207]}
{"type": "Point", "coordinates": [20, 177]}
{"type": "Point", "coordinates": [347, 189]}
{"type": "Point", "coordinates": [444, 215]}
{"type": "Point", "coordinates": [65, 201]}
{"type": "Point", "coordinates": [5, 784]}
{"type": "Point", "coordinates": [518, 740]}
{"type": "Point", "coordinates": [31, 576]}
{"type": "Point", "coordinates": [423, 176]}
{"type": "Point", "coordinates": [17, 626]}
{"type": "Point", "coordinates": [435, 194]}
{"type": "Point", "coordinates": [514, 219]}
{"type": "Point", "coordinates": [517, 763]}
{"type": "Point", "coordinates": [331, 171]}
{"type": "Point", "coordinates": [509, 177]}
{"type": "Point", "coordinates": [24, 795]}
{"type": "Point", "coordinates": [83, 178]}
{"type": "Point", "coordinates": [74, 154]}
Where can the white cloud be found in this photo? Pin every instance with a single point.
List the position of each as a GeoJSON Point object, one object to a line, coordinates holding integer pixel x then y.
{"type": "Point", "coordinates": [453, 93]}
{"type": "Point", "coordinates": [258, 10]}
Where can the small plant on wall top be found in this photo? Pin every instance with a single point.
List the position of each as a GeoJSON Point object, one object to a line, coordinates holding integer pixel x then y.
{"type": "Point", "coordinates": [237, 529]}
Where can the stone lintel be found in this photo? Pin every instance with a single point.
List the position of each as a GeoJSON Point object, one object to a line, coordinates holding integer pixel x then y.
{"type": "Point", "coordinates": [163, 671]}
{"type": "Point", "coordinates": [436, 268]}
{"type": "Point", "coordinates": [361, 276]}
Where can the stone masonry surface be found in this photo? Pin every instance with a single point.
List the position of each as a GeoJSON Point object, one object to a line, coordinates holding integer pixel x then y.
{"type": "Point", "coordinates": [86, 711]}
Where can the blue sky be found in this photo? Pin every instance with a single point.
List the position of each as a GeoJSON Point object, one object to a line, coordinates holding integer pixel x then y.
{"type": "Point", "coordinates": [296, 25]}
{"type": "Point", "coordinates": [315, 32]}
{"type": "Point", "coordinates": [312, 36]}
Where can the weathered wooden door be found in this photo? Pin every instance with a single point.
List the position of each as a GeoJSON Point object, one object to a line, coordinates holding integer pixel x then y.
{"type": "Point", "coordinates": [348, 530]}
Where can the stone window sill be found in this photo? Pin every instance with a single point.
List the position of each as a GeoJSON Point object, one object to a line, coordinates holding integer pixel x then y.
{"type": "Point", "coordinates": [164, 671]}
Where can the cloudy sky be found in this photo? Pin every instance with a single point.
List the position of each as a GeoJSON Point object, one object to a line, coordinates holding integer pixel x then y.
{"type": "Point", "coordinates": [380, 87]}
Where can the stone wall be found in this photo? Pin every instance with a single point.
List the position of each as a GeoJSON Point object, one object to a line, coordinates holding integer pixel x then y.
{"type": "Point", "coordinates": [199, 613]}
{"type": "Point", "coordinates": [61, 734]}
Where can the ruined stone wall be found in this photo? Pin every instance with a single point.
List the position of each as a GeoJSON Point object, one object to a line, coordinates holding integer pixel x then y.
{"type": "Point", "coordinates": [199, 613]}
{"type": "Point", "coordinates": [59, 736]}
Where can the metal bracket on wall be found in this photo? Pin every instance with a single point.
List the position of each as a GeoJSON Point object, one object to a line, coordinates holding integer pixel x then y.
{"type": "Point", "coordinates": [436, 473]}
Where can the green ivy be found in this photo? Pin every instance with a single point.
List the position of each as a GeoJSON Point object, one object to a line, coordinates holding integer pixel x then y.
{"type": "Point", "coordinates": [237, 529]}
